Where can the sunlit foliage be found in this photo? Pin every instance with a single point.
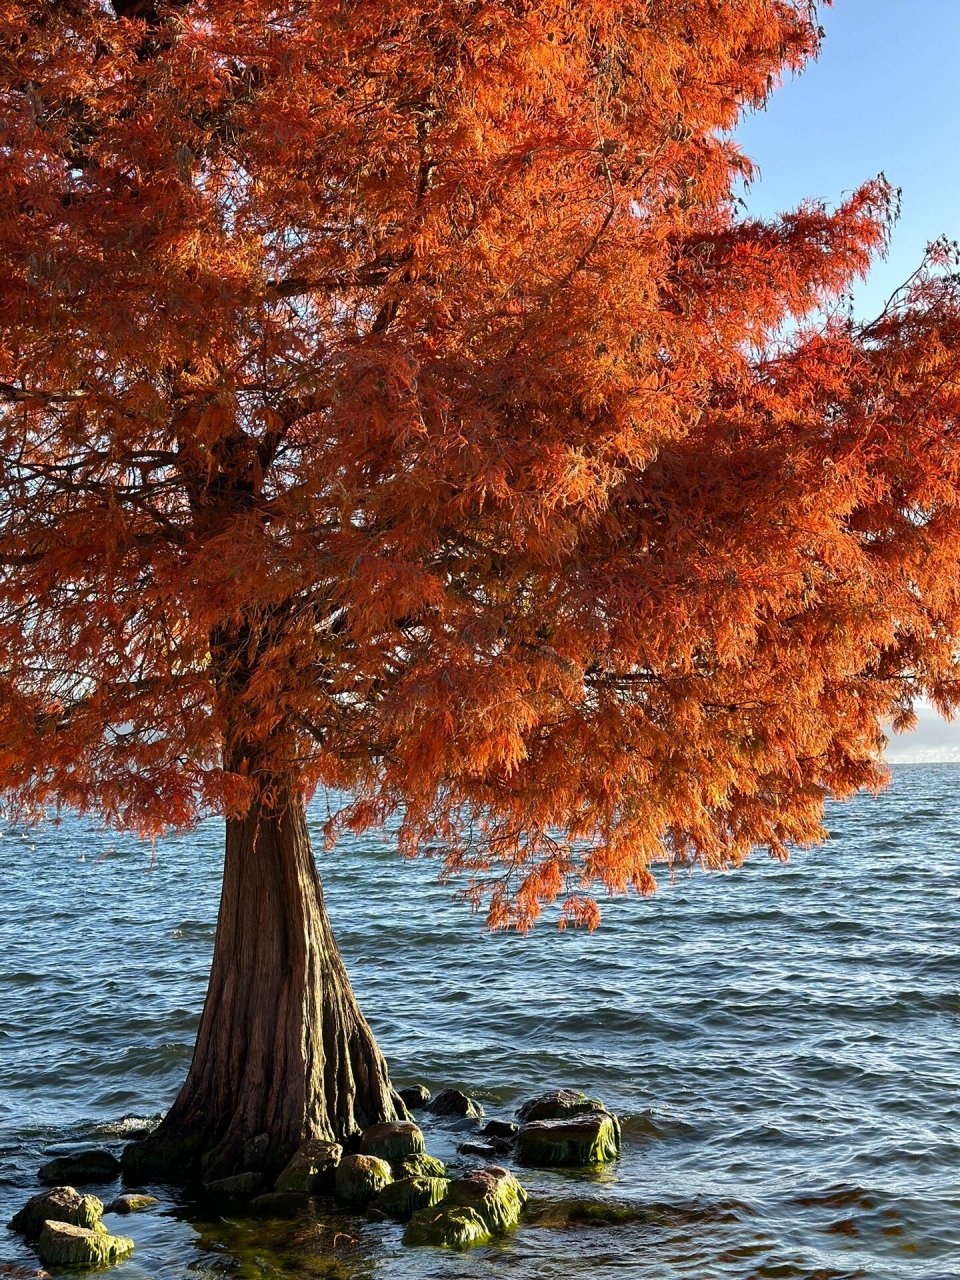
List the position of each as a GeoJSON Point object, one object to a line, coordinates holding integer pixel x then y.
{"type": "Point", "coordinates": [396, 398]}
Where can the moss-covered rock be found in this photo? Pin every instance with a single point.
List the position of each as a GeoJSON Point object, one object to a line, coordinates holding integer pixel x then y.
{"type": "Point", "coordinates": [62, 1244]}
{"type": "Point", "coordinates": [558, 1104]}
{"type": "Point", "coordinates": [85, 1166]}
{"type": "Point", "coordinates": [452, 1102]}
{"type": "Point", "coordinates": [415, 1096]}
{"type": "Point", "coordinates": [62, 1204]}
{"type": "Point", "coordinates": [493, 1193]}
{"type": "Point", "coordinates": [361, 1178]}
{"type": "Point", "coordinates": [447, 1227]}
{"type": "Point", "coordinates": [131, 1203]}
{"type": "Point", "coordinates": [418, 1166]}
{"type": "Point", "coordinates": [392, 1140]}
{"type": "Point", "coordinates": [312, 1169]}
{"type": "Point", "coordinates": [405, 1196]}
{"type": "Point", "coordinates": [590, 1138]}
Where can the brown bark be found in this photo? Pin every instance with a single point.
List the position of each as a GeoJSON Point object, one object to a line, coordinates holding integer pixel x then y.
{"type": "Point", "coordinates": [282, 1049]}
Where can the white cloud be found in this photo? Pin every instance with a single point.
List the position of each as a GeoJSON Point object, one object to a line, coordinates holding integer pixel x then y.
{"type": "Point", "coordinates": [934, 741]}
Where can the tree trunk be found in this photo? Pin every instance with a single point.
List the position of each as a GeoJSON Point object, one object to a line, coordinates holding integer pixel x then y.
{"type": "Point", "coordinates": [283, 1049]}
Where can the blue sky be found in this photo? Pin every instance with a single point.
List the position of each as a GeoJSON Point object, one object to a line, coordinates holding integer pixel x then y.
{"type": "Point", "coordinates": [883, 96]}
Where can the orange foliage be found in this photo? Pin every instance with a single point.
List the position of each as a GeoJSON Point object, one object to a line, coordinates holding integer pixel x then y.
{"type": "Point", "coordinates": [394, 400]}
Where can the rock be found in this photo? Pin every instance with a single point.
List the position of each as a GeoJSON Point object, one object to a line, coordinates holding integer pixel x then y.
{"type": "Point", "coordinates": [238, 1184]}
{"type": "Point", "coordinates": [63, 1244]}
{"type": "Point", "coordinates": [312, 1169]}
{"type": "Point", "coordinates": [462, 1124]}
{"type": "Point", "coordinates": [280, 1204]}
{"type": "Point", "coordinates": [85, 1166]}
{"type": "Point", "coordinates": [499, 1129]}
{"type": "Point", "coordinates": [590, 1138]}
{"type": "Point", "coordinates": [62, 1204]}
{"type": "Point", "coordinates": [131, 1203]}
{"type": "Point", "coordinates": [392, 1140]}
{"type": "Point", "coordinates": [360, 1179]}
{"type": "Point", "coordinates": [415, 1096]}
{"type": "Point", "coordinates": [493, 1193]}
{"type": "Point", "coordinates": [447, 1227]}
{"type": "Point", "coordinates": [451, 1102]}
{"type": "Point", "coordinates": [557, 1105]}
{"type": "Point", "coordinates": [486, 1150]}
{"type": "Point", "coordinates": [254, 1151]}
{"type": "Point", "coordinates": [419, 1166]}
{"type": "Point", "coordinates": [401, 1199]}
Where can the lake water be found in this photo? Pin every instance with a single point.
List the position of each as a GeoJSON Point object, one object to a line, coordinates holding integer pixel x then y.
{"type": "Point", "coordinates": [781, 1043]}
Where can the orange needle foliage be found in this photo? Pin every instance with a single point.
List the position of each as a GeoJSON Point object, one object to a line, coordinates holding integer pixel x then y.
{"type": "Point", "coordinates": [394, 401]}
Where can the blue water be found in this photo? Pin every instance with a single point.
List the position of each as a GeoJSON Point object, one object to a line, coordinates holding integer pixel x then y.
{"type": "Point", "coordinates": [781, 1042]}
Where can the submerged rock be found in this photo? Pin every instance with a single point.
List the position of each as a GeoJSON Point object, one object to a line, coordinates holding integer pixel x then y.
{"type": "Point", "coordinates": [312, 1169]}
{"type": "Point", "coordinates": [404, 1197]}
{"type": "Point", "coordinates": [493, 1193]}
{"type": "Point", "coordinates": [592, 1137]}
{"type": "Point", "coordinates": [453, 1102]}
{"type": "Point", "coordinates": [280, 1204]}
{"type": "Point", "coordinates": [241, 1185]}
{"type": "Point", "coordinates": [131, 1203]}
{"type": "Point", "coordinates": [418, 1166]}
{"type": "Point", "coordinates": [392, 1140]}
{"type": "Point", "coordinates": [360, 1179]}
{"type": "Point", "coordinates": [558, 1104]}
{"type": "Point", "coordinates": [447, 1227]}
{"type": "Point", "coordinates": [85, 1166]}
{"type": "Point", "coordinates": [414, 1096]}
{"type": "Point", "coordinates": [63, 1244]}
{"type": "Point", "coordinates": [62, 1204]}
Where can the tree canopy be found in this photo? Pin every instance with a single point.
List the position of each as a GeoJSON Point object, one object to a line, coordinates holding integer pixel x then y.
{"type": "Point", "coordinates": [396, 398]}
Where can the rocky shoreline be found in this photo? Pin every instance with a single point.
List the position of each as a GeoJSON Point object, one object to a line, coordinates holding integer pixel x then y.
{"type": "Point", "coordinates": [385, 1173]}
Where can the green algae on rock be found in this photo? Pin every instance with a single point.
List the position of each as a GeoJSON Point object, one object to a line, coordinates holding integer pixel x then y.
{"type": "Point", "coordinates": [447, 1227]}
{"type": "Point", "coordinates": [418, 1166]}
{"type": "Point", "coordinates": [311, 1169]}
{"type": "Point", "coordinates": [493, 1193]}
{"type": "Point", "coordinates": [361, 1178]}
{"type": "Point", "coordinates": [558, 1104]}
{"type": "Point", "coordinates": [592, 1137]}
{"type": "Point", "coordinates": [131, 1203]}
{"type": "Point", "coordinates": [405, 1196]}
{"type": "Point", "coordinates": [64, 1244]}
{"type": "Point", "coordinates": [62, 1204]}
{"type": "Point", "coordinates": [85, 1166]}
{"type": "Point", "coordinates": [554, 1214]}
{"type": "Point", "coordinates": [392, 1140]}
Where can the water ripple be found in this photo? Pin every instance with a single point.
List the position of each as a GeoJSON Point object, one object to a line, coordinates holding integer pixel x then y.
{"type": "Point", "coordinates": [781, 1044]}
